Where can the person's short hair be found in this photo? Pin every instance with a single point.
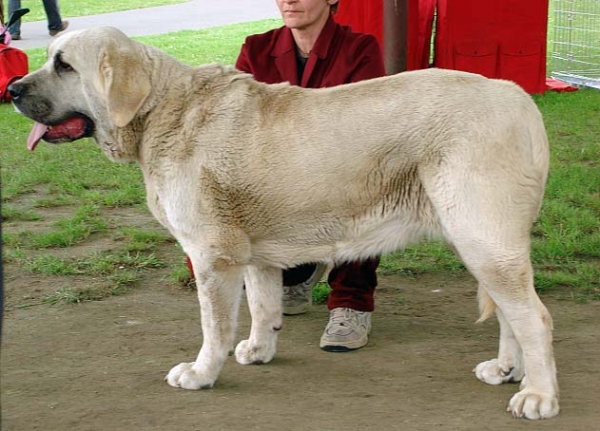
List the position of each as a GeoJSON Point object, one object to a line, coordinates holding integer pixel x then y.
{"type": "Point", "coordinates": [334, 7]}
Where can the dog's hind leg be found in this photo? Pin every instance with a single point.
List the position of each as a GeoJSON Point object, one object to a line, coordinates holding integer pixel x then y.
{"type": "Point", "coordinates": [264, 292]}
{"type": "Point", "coordinates": [499, 258]}
{"type": "Point", "coordinates": [508, 367]}
{"type": "Point", "coordinates": [219, 292]}
{"type": "Point", "coordinates": [487, 217]}
{"type": "Point", "coordinates": [524, 321]}
{"type": "Point", "coordinates": [506, 274]}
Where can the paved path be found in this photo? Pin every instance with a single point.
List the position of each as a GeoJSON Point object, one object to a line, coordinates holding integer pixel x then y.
{"type": "Point", "coordinates": [191, 15]}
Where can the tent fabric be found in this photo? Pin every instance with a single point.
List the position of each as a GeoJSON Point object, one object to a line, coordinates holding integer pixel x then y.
{"type": "Point", "coordinates": [559, 86]}
{"type": "Point", "coordinates": [366, 16]}
{"type": "Point", "coordinates": [421, 14]}
{"type": "Point", "coordinates": [499, 39]}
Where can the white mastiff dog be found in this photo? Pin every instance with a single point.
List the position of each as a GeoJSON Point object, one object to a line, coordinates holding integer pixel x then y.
{"type": "Point", "coordinates": [252, 178]}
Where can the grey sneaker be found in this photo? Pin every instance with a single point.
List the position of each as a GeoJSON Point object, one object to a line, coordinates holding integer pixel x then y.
{"type": "Point", "coordinates": [347, 329]}
{"type": "Point", "coordinates": [298, 299]}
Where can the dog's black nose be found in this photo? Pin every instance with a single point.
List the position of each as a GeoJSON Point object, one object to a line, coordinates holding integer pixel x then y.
{"type": "Point", "coordinates": [16, 90]}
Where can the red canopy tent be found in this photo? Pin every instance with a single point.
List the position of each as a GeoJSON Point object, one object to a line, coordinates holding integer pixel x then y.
{"type": "Point", "coordinates": [368, 16]}
{"type": "Point", "coordinates": [500, 39]}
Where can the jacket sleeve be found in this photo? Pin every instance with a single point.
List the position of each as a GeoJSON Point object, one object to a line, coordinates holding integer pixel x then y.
{"type": "Point", "coordinates": [243, 62]}
{"type": "Point", "coordinates": [368, 60]}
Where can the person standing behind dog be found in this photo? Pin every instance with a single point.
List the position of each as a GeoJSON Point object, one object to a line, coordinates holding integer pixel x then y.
{"type": "Point", "coordinates": [55, 22]}
{"type": "Point", "coordinates": [311, 50]}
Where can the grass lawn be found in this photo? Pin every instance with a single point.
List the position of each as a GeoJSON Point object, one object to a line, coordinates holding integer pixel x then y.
{"type": "Point", "coordinates": [73, 8]}
{"type": "Point", "coordinates": [78, 179]}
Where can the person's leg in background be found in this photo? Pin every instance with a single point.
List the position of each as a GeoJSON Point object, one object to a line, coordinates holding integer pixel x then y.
{"type": "Point", "coordinates": [350, 305]}
{"type": "Point", "coordinates": [350, 301]}
{"type": "Point", "coordinates": [15, 29]}
{"type": "Point", "coordinates": [297, 287]}
{"type": "Point", "coordinates": [55, 22]}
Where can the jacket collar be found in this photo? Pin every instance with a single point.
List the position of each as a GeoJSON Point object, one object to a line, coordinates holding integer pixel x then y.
{"type": "Point", "coordinates": [285, 43]}
{"type": "Point", "coordinates": [284, 52]}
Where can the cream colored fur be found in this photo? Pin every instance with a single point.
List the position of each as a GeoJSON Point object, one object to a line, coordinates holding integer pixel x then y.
{"type": "Point", "coordinates": [252, 178]}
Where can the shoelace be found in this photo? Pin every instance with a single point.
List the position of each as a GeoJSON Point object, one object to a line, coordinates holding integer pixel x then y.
{"type": "Point", "coordinates": [340, 316]}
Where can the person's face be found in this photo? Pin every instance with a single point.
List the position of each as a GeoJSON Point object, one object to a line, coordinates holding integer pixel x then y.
{"type": "Point", "coordinates": [301, 14]}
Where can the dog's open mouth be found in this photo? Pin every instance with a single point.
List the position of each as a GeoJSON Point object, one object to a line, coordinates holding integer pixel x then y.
{"type": "Point", "coordinates": [77, 127]}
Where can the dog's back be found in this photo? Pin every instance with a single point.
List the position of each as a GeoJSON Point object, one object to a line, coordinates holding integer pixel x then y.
{"type": "Point", "coordinates": [385, 156]}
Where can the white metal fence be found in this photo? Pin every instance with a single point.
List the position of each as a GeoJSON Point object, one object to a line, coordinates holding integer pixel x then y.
{"type": "Point", "coordinates": [576, 42]}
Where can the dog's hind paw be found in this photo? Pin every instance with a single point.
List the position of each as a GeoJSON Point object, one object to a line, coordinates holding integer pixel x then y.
{"type": "Point", "coordinates": [184, 376]}
{"type": "Point", "coordinates": [532, 405]}
{"type": "Point", "coordinates": [494, 373]}
{"type": "Point", "coordinates": [247, 354]}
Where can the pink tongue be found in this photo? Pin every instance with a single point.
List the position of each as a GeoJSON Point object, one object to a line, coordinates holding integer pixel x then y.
{"type": "Point", "coordinates": [35, 135]}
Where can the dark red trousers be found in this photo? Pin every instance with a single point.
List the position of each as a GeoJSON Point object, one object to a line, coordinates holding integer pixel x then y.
{"type": "Point", "coordinates": [352, 284]}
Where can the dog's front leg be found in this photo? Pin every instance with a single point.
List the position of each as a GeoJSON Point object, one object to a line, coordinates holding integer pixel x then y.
{"type": "Point", "coordinates": [219, 291]}
{"type": "Point", "coordinates": [264, 292]}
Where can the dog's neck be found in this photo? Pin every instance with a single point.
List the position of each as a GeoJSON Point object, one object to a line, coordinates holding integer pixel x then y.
{"type": "Point", "coordinates": [123, 145]}
{"type": "Point", "coordinates": [149, 134]}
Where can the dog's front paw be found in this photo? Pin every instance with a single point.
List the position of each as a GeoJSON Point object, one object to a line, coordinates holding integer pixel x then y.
{"type": "Point", "coordinates": [184, 376]}
{"type": "Point", "coordinates": [493, 373]}
{"type": "Point", "coordinates": [247, 354]}
{"type": "Point", "coordinates": [533, 405]}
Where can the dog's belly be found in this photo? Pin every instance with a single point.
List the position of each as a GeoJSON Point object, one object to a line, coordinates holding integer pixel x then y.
{"type": "Point", "coordinates": [361, 240]}
{"type": "Point", "coordinates": [385, 237]}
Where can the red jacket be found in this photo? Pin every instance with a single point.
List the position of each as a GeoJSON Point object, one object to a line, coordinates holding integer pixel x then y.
{"type": "Point", "coordinates": [338, 57]}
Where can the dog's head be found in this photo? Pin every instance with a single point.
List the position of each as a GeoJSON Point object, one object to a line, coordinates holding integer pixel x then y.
{"type": "Point", "coordinates": [93, 84]}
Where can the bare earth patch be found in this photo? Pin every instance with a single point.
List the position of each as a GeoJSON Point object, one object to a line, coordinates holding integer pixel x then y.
{"type": "Point", "coordinates": [100, 365]}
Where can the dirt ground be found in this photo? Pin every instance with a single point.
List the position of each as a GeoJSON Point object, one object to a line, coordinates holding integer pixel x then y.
{"type": "Point", "coordinates": [100, 365]}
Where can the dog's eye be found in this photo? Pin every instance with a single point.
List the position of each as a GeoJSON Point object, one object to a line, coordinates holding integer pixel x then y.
{"type": "Point", "coordinates": [61, 66]}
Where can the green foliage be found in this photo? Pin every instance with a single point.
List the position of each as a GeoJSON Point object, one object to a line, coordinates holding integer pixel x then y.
{"type": "Point", "coordinates": [118, 285]}
{"type": "Point", "coordinates": [430, 256]}
{"type": "Point", "coordinates": [68, 232]}
{"type": "Point", "coordinates": [73, 8]}
{"type": "Point", "coordinates": [180, 274]}
{"type": "Point", "coordinates": [213, 45]}
{"type": "Point", "coordinates": [137, 240]}
{"type": "Point", "coordinates": [566, 246]}
{"type": "Point", "coordinates": [98, 264]}
{"type": "Point", "coordinates": [119, 273]}
{"type": "Point", "coordinates": [320, 293]}
{"type": "Point", "coordinates": [11, 214]}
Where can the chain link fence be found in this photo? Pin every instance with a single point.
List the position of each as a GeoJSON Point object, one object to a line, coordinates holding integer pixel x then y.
{"type": "Point", "coordinates": [576, 42]}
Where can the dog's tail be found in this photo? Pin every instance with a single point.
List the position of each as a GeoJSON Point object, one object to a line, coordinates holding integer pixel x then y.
{"type": "Point", "coordinates": [487, 306]}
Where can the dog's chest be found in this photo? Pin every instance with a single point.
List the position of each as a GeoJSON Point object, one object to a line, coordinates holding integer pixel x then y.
{"type": "Point", "coordinates": [169, 197]}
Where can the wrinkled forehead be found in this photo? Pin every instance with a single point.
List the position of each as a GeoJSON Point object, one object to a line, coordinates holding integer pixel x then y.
{"type": "Point", "coordinates": [87, 43]}
{"type": "Point", "coordinates": [61, 43]}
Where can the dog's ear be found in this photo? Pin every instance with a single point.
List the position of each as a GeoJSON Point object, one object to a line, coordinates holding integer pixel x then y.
{"type": "Point", "coordinates": [124, 84]}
